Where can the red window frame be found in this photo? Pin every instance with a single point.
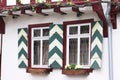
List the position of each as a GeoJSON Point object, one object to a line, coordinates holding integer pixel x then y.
{"type": "Point", "coordinates": [30, 69]}
{"type": "Point", "coordinates": [64, 71]}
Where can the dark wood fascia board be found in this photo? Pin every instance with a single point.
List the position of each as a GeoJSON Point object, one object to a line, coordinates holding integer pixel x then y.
{"type": "Point", "coordinates": [99, 10]}
{"type": "Point", "coordinates": [2, 25]}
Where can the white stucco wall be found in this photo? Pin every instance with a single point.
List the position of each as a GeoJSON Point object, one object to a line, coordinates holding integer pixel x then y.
{"type": "Point", "coordinates": [116, 50]}
{"type": "Point", "coordinates": [10, 70]}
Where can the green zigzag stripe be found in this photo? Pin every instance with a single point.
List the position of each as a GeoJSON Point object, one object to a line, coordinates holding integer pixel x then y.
{"type": "Point", "coordinates": [100, 22]}
{"type": "Point", "coordinates": [22, 52]}
{"type": "Point", "coordinates": [95, 65]}
{"type": "Point", "coordinates": [56, 36]}
{"type": "Point", "coordinates": [53, 51]}
{"type": "Point", "coordinates": [97, 50]}
{"type": "Point", "coordinates": [22, 65]}
{"type": "Point", "coordinates": [25, 29]}
{"type": "Point", "coordinates": [98, 35]}
{"type": "Point", "coordinates": [55, 65]}
{"type": "Point", "coordinates": [22, 39]}
{"type": "Point", "coordinates": [59, 25]}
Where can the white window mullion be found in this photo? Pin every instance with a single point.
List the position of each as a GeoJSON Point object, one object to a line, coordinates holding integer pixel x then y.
{"type": "Point", "coordinates": [41, 47]}
{"type": "Point", "coordinates": [78, 52]}
{"type": "Point", "coordinates": [32, 47]}
{"type": "Point", "coordinates": [41, 52]}
{"type": "Point", "coordinates": [89, 42]}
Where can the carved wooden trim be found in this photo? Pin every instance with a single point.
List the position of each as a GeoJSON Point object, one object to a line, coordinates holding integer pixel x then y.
{"type": "Point", "coordinates": [99, 10]}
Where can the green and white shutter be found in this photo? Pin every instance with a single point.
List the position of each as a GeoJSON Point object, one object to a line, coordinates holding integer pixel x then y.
{"type": "Point", "coordinates": [22, 48]}
{"type": "Point", "coordinates": [55, 46]}
{"type": "Point", "coordinates": [96, 46]}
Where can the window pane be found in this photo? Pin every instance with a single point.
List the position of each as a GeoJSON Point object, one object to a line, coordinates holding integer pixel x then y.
{"type": "Point", "coordinates": [84, 29]}
{"type": "Point", "coordinates": [36, 52]}
{"type": "Point", "coordinates": [45, 32]}
{"type": "Point", "coordinates": [84, 51]}
{"type": "Point", "coordinates": [56, 0]}
{"type": "Point", "coordinates": [73, 30]}
{"type": "Point", "coordinates": [45, 52]}
{"type": "Point", "coordinates": [40, 1]}
{"type": "Point", "coordinates": [37, 33]}
{"type": "Point", "coordinates": [73, 51]}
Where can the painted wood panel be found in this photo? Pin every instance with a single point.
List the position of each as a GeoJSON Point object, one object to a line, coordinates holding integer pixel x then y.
{"type": "Point", "coordinates": [55, 46]}
{"type": "Point", "coordinates": [97, 41]}
{"type": "Point", "coordinates": [22, 48]}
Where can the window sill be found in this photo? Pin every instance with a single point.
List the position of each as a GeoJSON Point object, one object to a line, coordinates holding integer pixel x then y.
{"type": "Point", "coordinates": [39, 70]}
{"type": "Point", "coordinates": [77, 72]}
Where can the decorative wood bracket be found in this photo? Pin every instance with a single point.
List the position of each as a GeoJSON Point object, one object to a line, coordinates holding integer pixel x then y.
{"type": "Point", "coordinates": [39, 11]}
{"type": "Point", "coordinates": [97, 7]}
{"type": "Point", "coordinates": [24, 12]}
{"type": "Point", "coordinates": [76, 9]}
{"type": "Point", "coordinates": [113, 20]}
{"type": "Point", "coordinates": [13, 15]}
{"type": "Point", "coordinates": [57, 10]}
{"type": "Point", "coordinates": [113, 14]}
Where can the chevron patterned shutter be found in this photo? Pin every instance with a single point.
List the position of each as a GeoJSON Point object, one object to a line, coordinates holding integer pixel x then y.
{"type": "Point", "coordinates": [22, 48]}
{"type": "Point", "coordinates": [96, 46]}
{"type": "Point", "coordinates": [55, 46]}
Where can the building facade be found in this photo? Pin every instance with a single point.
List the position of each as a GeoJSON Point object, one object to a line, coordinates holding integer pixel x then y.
{"type": "Point", "coordinates": [61, 42]}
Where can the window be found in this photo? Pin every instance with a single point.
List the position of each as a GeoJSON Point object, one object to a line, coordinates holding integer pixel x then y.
{"type": "Point", "coordinates": [76, 47]}
{"type": "Point", "coordinates": [38, 41]}
{"type": "Point", "coordinates": [41, 1]}
{"type": "Point", "coordinates": [78, 44]}
{"type": "Point", "coordinates": [40, 38]}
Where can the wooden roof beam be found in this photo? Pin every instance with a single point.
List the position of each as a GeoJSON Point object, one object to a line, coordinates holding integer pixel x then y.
{"type": "Point", "coordinates": [13, 15]}
{"type": "Point", "coordinates": [57, 10]}
{"type": "Point", "coordinates": [76, 9]}
{"type": "Point", "coordinates": [39, 11]}
{"type": "Point", "coordinates": [24, 12]}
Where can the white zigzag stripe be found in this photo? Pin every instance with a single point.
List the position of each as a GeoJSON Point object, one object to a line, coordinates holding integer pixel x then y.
{"type": "Point", "coordinates": [98, 43]}
{"type": "Point", "coordinates": [98, 27]}
{"type": "Point", "coordinates": [56, 29]}
{"type": "Point", "coordinates": [55, 57]}
{"type": "Point", "coordinates": [96, 58]}
{"type": "Point", "coordinates": [22, 45]}
{"type": "Point", "coordinates": [22, 58]}
{"type": "Point", "coordinates": [22, 33]}
{"type": "Point", "coordinates": [53, 44]}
